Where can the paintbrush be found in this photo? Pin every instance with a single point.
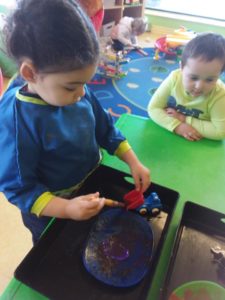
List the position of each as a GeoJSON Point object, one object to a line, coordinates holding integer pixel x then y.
{"type": "Point", "coordinates": [113, 203]}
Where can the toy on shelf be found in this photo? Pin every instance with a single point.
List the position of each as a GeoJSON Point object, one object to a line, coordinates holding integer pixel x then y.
{"type": "Point", "coordinates": [172, 44]}
{"type": "Point", "coordinates": [110, 64]}
{"type": "Point", "coordinates": [135, 200]}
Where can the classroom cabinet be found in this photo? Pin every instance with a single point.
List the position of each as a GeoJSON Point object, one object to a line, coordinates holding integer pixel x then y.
{"type": "Point", "coordinates": [116, 9]}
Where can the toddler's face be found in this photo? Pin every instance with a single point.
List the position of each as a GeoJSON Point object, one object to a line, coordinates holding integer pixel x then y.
{"type": "Point", "coordinates": [199, 76]}
{"type": "Point", "coordinates": [61, 89]}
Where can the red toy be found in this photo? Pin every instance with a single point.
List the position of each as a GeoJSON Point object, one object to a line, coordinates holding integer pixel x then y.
{"type": "Point", "coordinates": [172, 44]}
{"type": "Point", "coordinates": [162, 45]}
{"type": "Point", "coordinates": [133, 199]}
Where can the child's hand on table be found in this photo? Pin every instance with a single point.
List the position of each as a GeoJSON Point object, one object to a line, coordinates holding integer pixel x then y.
{"type": "Point", "coordinates": [188, 132]}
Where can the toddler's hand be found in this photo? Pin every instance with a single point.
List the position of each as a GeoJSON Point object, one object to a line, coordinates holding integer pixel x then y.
{"type": "Point", "coordinates": [173, 113]}
{"type": "Point", "coordinates": [188, 132]}
{"type": "Point", "coordinates": [84, 207]}
{"type": "Point", "coordinates": [141, 176]}
{"type": "Point", "coordinates": [129, 45]}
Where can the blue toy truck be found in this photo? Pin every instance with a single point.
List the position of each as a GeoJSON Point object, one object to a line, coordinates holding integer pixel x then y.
{"type": "Point", "coordinates": [152, 205]}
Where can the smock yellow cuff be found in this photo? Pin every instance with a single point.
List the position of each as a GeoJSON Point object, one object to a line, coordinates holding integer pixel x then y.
{"type": "Point", "coordinates": [41, 202]}
{"type": "Point", "coordinates": [123, 147]}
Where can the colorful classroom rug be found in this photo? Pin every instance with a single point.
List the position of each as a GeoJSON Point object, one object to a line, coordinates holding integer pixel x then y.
{"type": "Point", "coordinates": [132, 93]}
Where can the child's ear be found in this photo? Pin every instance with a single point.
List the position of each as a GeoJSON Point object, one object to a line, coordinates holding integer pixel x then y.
{"type": "Point", "coordinates": [27, 71]}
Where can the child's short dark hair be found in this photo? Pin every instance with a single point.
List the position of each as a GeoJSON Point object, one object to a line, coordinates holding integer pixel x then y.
{"type": "Point", "coordinates": [139, 25]}
{"type": "Point", "coordinates": [55, 34]}
{"type": "Point", "coordinates": [209, 46]}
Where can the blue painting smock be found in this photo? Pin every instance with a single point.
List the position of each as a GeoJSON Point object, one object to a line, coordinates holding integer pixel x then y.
{"type": "Point", "coordinates": [47, 150]}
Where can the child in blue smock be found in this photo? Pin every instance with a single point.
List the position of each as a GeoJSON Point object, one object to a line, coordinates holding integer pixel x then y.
{"type": "Point", "coordinates": [52, 127]}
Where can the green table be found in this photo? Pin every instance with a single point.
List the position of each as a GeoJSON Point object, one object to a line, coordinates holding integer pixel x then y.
{"type": "Point", "coordinates": [195, 169]}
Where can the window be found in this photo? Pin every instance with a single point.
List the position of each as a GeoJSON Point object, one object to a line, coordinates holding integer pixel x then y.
{"type": "Point", "coordinates": [201, 8]}
{"type": "Point", "coordinates": [8, 3]}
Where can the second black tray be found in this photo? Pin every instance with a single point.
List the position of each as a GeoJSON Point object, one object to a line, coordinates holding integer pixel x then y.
{"type": "Point", "coordinates": [200, 230]}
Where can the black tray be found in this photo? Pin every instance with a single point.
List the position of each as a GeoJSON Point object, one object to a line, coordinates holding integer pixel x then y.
{"type": "Point", "coordinates": [54, 266]}
{"type": "Point", "coordinates": [200, 230]}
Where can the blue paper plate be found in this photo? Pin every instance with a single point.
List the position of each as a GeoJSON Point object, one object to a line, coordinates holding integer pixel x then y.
{"type": "Point", "coordinates": [119, 248]}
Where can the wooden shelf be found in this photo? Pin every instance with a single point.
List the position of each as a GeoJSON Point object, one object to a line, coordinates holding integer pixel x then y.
{"type": "Point", "coordinates": [115, 10]}
{"type": "Point", "coordinates": [113, 7]}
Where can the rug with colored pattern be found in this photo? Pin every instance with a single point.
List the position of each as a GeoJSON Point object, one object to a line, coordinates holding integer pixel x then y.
{"type": "Point", "coordinates": [132, 93]}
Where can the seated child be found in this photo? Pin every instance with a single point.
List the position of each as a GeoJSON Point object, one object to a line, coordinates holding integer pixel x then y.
{"type": "Point", "coordinates": [191, 100]}
{"type": "Point", "coordinates": [126, 31]}
{"type": "Point", "coordinates": [94, 9]}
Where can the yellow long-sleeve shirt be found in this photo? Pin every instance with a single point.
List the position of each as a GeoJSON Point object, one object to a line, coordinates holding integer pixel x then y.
{"type": "Point", "coordinates": [205, 113]}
